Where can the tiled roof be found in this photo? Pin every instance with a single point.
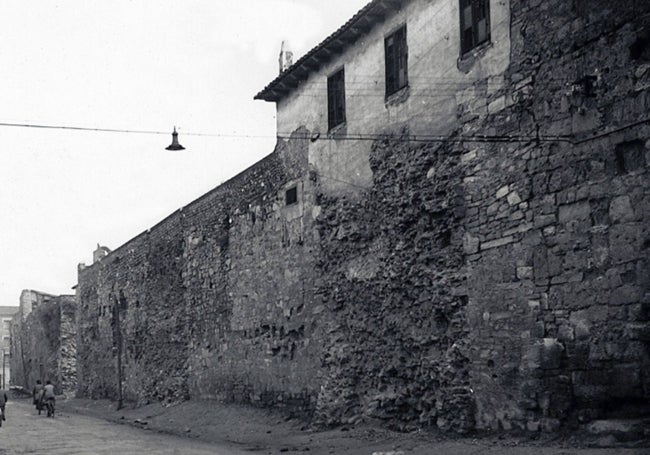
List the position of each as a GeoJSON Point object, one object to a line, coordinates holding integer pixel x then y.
{"type": "Point", "coordinates": [360, 24]}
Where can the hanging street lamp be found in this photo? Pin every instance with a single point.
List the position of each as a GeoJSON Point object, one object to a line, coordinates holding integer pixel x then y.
{"type": "Point", "coordinates": [174, 145]}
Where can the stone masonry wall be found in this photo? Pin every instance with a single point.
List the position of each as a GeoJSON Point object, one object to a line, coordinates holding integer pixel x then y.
{"type": "Point", "coordinates": [506, 287]}
{"type": "Point", "coordinates": [67, 359]}
{"type": "Point", "coordinates": [248, 278]}
{"type": "Point", "coordinates": [493, 279]}
{"type": "Point", "coordinates": [42, 347]}
{"type": "Point", "coordinates": [393, 284]}
{"type": "Point", "coordinates": [556, 233]}
{"type": "Point", "coordinates": [131, 306]}
{"type": "Point", "coordinates": [214, 301]}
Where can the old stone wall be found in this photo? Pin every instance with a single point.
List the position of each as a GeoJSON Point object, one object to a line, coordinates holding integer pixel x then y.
{"type": "Point", "coordinates": [495, 278]}
{"type": "Point", "coordinates": [44, 347]}
{"type": "Point", "coordinates": [128, 306]}
{"type": "Point", "coordinates": [500, 280]}
{"type": "Point", "coordinates": [248, 279]}
{"type": "Point", "coordinates": [214, 301]}
{"type": "Point", "coordinates": [556, 233]}
{"type": "Point", "coordinates": [393, 283]}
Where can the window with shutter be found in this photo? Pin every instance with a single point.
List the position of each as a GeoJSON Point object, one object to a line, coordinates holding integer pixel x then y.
{"type": "Point", "coordinates": [336, 99]}
{"type": "Point", "coordinates": [474, 23]}
{"type": "Point", "coordinates": [396, 61]}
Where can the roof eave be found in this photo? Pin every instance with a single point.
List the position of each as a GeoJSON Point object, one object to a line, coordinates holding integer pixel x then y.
{"type": "Point", "coordinates": [359, 25]}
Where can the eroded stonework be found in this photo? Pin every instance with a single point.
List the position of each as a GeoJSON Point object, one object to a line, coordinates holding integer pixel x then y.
{"type": "Point", "coordinates": [492, 277]}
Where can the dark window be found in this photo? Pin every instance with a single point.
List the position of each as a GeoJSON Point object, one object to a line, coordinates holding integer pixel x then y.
{"type": "Point", "coordinates": [336, 99]}
{"type": "Point", "coordinates": [291, 195]}
{"type": "Point", "coordinates": [396, 61]}
{"type": "Point", "coordinates": [474, 23]}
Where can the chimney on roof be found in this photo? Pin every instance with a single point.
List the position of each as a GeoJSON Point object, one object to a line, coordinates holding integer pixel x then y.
{"type": "Point", "coordinates": [286, 57]}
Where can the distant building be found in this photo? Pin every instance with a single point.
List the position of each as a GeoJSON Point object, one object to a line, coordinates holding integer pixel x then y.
{"type": "Point", "coordinates": [43, 334]}
{"type": "Point", "coordinates": [6, 315]}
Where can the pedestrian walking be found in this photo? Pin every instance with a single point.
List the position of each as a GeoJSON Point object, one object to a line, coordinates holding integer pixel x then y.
{"type": "Point", "coordinates": [37, 394]}
{"type": "Point", "coordinates": [3, 402]}
{"type": "Point", "coordinates": [49, 398]}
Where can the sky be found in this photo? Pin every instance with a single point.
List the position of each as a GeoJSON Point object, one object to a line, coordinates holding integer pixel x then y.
{"type": "Point", "coordinates": [138, 65]}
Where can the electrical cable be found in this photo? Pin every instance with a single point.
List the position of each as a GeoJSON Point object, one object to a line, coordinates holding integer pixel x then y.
{"type": "Point", "coordinates": [360, 136]}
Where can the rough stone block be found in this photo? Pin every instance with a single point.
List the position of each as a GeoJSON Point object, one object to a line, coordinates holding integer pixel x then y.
{"type": "Point", "coordinates": [533, 426]}
{"type": "Point", "coordinates": [565, 333]}
{"type": "Point", "coordinates": [513, 198]}
{"type": "Point", "coordinates": [471, 244]}
{"type": "Point", "coordinates": [497, 105]}
{"type": "Point", "coordinates": [578, 355]}
{"type": "Point", "coordinates": [552, 353]}
{"type": "Point", "coordinates": [497, 243]}
{"type": "Point", "coordinates": [621, 430]}
{"type": "Point", "coordinates": [625, 294]}
{"type": "Point", "coordinates": [626, 382]}
{"type": "Point", "coordinates": [517, 215]}
{"type": "Point", "coordinates": [638, 331]}
{"type": "Point", "coordinates": [625, 242]}
{"type": "Point", "coordinates": [543, 220]}
{"type": "Point", "coordinates": [538, 329]}
{"type": "Point", "coordinates": [549, 425]}
{"type": "Point", "coordinates": [503, 191]}
{"type": "Point", "coordinates": [493, 208]}
{"type": "Point", "coordinates": [467, 157]}
{"type": "Point", "coordinates": [531, 357]}
{"type": "Point", "coordinates": [620, 209]}
{"type": "Point", "coordinates": [524, 273]}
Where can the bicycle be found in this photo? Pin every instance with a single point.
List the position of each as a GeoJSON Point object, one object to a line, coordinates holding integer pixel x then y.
{"type": "Point", "coordinates": [49, 406]}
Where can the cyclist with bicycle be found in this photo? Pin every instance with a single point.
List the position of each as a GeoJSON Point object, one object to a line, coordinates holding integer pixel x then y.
{"type": "Point", "coordinates": [48, 398]}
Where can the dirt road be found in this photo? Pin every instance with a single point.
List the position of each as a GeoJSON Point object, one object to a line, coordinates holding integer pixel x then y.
{"type": "Point", "coordinates": [25, 432]}
{"type": "Point", "coordinates": [235, 430]}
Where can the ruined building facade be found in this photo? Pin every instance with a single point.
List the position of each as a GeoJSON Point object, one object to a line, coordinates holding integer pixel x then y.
{"type": "Point", "coordinates": [451, 231]}
{"type": "Point", "coordinates": [44, 342]}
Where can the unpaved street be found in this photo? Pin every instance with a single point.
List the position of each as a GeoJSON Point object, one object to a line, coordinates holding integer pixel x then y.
{"type": "Point", "coordinates": [25, 432]}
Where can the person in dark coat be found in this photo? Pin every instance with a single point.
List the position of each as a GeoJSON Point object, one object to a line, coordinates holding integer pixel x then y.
{"type": "Point", "coordinates": [3, 402]}
{"type": "Point", "coordinates": [37, 394]}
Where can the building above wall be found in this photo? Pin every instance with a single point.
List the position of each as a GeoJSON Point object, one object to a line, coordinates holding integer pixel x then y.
{"type": "Point", "coordinates": [359, 25]}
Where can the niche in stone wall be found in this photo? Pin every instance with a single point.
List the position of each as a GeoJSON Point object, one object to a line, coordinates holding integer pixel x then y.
{"type": "Point", "coordinates": [640, 48]}
{"type": "Point", "coordinates": [629, 156]}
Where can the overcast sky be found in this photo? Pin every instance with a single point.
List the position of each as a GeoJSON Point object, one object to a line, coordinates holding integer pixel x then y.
{"type": "Point", "coordinates": [132, 65]}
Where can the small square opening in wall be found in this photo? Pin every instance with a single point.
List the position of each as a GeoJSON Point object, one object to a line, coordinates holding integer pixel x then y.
{"type": "Point", "coordinates": [629, 156]}
{"type": "Point", "coordinates": [291, 196]}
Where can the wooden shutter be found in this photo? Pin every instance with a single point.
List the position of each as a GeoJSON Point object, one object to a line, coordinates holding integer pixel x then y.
{"type": "Point", "coordinates": [480, 24]}
{"type": "Point", "coordinates": [336, 99]}
{"type": "Point", "coordinates": [474, 23]}
{"type": "Point", "coordinates": [396, 61]}
{"type": "Point", "coordinates": [390, 64]}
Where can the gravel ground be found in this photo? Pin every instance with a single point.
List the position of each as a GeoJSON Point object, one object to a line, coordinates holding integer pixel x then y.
{"type": "Point", "coordinates": [266, 431]}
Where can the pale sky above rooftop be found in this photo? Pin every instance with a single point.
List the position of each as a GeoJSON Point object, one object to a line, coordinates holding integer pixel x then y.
{"type": "Point", "coordinates": [131, 65]}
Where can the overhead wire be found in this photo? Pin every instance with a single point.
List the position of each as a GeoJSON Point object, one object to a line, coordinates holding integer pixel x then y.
{"type": "Point", "coordinates": [360, 136]}
{"type": "Point", "coordinates": [445, 86]}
